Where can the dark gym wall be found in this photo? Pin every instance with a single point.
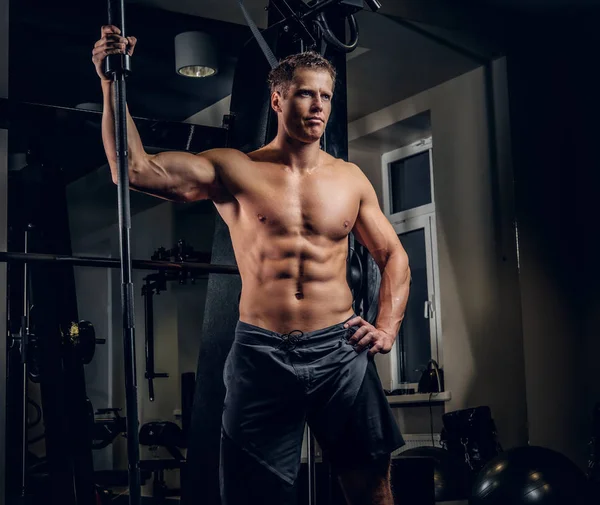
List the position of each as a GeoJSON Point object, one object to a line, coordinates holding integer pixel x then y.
{"type": "Point", "coordinates": [3, 234]}
{"type": "Point", "coordinates": [553, 107]}
{"type": "Point", "coordinates": [3, 244]}
{"type": "Point", "coordinates": [4, 48]}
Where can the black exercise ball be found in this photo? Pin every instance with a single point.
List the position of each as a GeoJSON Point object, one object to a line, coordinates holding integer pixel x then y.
{"type": "Point", "coordinates": [530, 475]}
{"type": "Point", "coordinates": [450, 474]}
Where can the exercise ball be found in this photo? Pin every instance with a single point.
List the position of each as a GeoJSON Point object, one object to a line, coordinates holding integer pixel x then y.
{"type": "Point", "coordinates": [450, 474]}
{"type": "Point", "coordinates": [530, 475]}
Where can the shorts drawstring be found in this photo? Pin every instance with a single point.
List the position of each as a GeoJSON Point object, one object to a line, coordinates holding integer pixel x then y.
{"type": "Point", "coordinates": [289, 340]}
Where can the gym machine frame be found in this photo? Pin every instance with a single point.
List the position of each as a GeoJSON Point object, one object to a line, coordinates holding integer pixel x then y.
{"type": "Point", "coordinates": [153, 285]}
{"type": "Point", "coordinates": [100, 262]}
{"type": "Point", "coordinates": [174, 269]}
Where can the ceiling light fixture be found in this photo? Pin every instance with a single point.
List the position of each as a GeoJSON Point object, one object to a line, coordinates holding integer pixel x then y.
{"type": "Point", "coordinates": [195, 55]}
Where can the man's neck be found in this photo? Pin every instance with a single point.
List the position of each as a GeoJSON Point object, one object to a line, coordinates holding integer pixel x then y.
{"type": "Point", "coordinates": [296, 155]}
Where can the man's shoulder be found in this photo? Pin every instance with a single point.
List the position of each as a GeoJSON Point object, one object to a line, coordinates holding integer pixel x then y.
{"type": "Point", "coordinates": [225, 155]}
{"type": "Point", "coordinates": [231, 164]}
{"type": "Point", "coordinates": [231, 167]}
{"type": "Point", "coordinates": [337, 163]}
{"type": "Point", "coordinates": [347, 167]}
{"type": "Point", "coordinates": [354, 177]}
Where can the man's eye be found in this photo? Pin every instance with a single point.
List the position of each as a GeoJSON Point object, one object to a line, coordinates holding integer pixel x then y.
{"type": "Point", "coordinates": [326, 97]}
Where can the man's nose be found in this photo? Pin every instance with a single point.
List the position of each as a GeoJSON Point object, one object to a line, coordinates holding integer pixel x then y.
{"type": "Point", "coordinates": [317, 104]}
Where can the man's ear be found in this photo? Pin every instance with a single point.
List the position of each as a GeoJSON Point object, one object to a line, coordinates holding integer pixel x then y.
{"type": "Point", "coordinates": [276, 101]}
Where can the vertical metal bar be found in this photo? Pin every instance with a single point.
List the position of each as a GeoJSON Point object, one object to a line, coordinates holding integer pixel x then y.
{"type": "Point", "coordinates": [118, 68]}
{"type": "Point", "coordinates": [133, 450]}
{"type": "Point", "coordinates": [490, 102]}
{"type": "Point", "coordinates": [149, 328]}
{"type": "Point", "coordinates": [312, 481]}
{"type": "Point", "coordinates": [24, 357]}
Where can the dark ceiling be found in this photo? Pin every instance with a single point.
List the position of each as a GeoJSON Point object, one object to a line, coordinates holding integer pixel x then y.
{"type": "Point", "coordinates": [51, 45]}
{"type": "Point", "coordinates": [540, 5]}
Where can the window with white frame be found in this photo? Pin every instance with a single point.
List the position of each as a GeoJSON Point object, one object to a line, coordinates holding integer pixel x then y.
{"type": "Point", "coordinates": [409, 204]}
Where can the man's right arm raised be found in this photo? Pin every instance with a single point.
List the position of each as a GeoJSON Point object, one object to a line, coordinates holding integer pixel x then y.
{"type": "Point", "coordinates": [176, 176]}
{"type": "Point", "coordinates": [172, 175]}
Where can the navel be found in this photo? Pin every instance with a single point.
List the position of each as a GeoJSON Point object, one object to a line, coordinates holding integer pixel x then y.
{"type": "Point", "coordinates": [262, 218]}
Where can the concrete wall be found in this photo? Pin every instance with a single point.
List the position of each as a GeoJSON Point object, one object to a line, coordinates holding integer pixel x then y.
{"type": "Point", "coordinates": [482, 338]}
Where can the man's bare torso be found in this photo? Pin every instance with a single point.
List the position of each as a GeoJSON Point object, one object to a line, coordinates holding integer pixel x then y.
{"type": "Point", "coordinates": [289, 231]}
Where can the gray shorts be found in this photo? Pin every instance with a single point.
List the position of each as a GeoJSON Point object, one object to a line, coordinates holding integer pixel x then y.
{"type": "Point", "coordinates": [276, 383]}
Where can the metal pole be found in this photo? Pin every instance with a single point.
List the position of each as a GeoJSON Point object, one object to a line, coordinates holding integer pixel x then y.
{"type": "Point", "coordinates": [490, 100]}
{"type": "Point", "coordinates": [117, 68]}
{"type": "Point", "coordinates": [24, 358]}
{"type": "Point", "coordinates": [149, 327]}
{"type": "Point", "coordinates": [90, 261]}
{"type": "Point", "coordinates": [312, 481]}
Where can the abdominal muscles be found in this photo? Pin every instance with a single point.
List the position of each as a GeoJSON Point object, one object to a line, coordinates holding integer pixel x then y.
{"type": "Point", "coordinates": [294, 280]}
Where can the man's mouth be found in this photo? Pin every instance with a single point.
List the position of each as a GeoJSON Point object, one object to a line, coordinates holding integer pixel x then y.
{"type": "Point", "coordinates": [311, 119]}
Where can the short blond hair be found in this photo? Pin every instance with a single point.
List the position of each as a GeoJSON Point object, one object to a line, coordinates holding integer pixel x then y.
{"type": "Point", "coordinates": [282, 76]}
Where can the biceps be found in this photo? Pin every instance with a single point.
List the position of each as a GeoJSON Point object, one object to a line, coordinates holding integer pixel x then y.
{"type": "Point", "coordinates": [376, 233]}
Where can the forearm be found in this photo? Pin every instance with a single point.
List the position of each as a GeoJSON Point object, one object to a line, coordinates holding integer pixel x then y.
{"type": "Point", "coordinates": [393, 293]}
{"type": "Point", "coordinates": [136, 152]}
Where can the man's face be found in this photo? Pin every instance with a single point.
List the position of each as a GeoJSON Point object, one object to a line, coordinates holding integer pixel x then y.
{"type": "Point", "coordinates": [306, 106]}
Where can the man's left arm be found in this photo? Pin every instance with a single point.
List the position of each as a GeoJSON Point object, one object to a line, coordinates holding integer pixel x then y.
{"type": "Point", "coordinates": [373, 230]}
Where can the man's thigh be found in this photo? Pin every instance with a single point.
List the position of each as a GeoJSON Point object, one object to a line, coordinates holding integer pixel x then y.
{"type": "Point", "coordinates": [244, 480]}
{"type": "Point", "coordinates": [263, 413]}
{"type": "Point", "coordinates": [365, 428]}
